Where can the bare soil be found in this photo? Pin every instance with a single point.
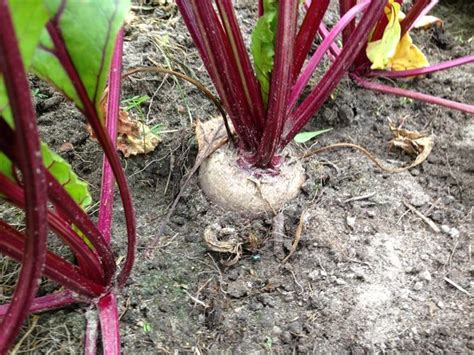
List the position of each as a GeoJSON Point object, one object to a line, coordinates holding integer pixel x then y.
{"type": "Point", "coordinates": [368, 275]}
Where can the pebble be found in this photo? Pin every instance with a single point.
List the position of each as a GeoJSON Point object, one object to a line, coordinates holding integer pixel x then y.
{"type": "Point", "coordinates": [425, 275]}
{"type": "Point", "coordinates": [371, 213]}
{"type": "Point", "coordinates": [440, 304]}
{"type": "Point", "coordinates": [340, 282]}
{"type": "Point", "coordinates": [454, 233]}
{"type": "Point", "coordinates": [350, 222]}
{"type": "Point", "coordinates": [276, 330]}
{"type": "Point", "coordinates": [415, 172]}
{"type": "Point", "coordinates": [418, 286]}
{"type": "Point", "coordinates": [445, 229]}
{"type": "Point", "coordinates": [313, 275]}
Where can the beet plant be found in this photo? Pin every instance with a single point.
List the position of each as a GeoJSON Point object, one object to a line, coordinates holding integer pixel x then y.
{"type": "Point", "coordinates": [390, 52]}
{"type": "Point", "coordinates": [72, 45]}
{"type": "Point", "coordinates": [263, 92]}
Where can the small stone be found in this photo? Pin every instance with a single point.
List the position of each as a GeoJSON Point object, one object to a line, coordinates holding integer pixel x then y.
{"type": "Point", "coordinates": [340, 282]}
{"type": "Point", "coordinates": [350, 221]}
{"type": "Point", "coordinates": [313, 275]}
{"type": "Point", "coordinates": [454, 233]}
{"type": "Point", "coordinates": [440, 304]}
{"type": "Point", "coordinates": [371, 213]}
{"type": "Point", "coordinates": [418, 286]}
{"type": "Point", "coordinates": [323, 273]}
{"type": "Point", "coordinates": [425, 275]}
{"type": "Point", "coordinates": [276, 330]}
{"type": "Point", "coordinates": [445, 229]}
{"type": "Point", "coordinates": [415, 172]}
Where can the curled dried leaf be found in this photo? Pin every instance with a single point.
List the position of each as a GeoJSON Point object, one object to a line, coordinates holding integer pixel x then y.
{"type": "Point", "coordinates": [133, 137]}
{"type": "Point", "coordinates": [214, 238]}
{"type": "Point", "coordinates": [413, 143]}
{"type": "Point", "coordinates": [210, 135]}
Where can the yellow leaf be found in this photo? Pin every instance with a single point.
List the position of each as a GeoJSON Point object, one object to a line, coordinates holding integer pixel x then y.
{"type": "Point", "coordinates": [407, 56]}
{"type": "Point", "coordinates": [379, 52]}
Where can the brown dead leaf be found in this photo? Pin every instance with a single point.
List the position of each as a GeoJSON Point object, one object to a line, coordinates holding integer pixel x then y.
{"type": "Point", "coordinates": [210, 135]}
{"type": "Point", "coordinates": [133, 137]}
{"type": "Point", "coordinates": [211, 238]}
{"type": "Point", "coordinates": [219, 239]}
{"type": "Point", "coordinates": [412, 142]}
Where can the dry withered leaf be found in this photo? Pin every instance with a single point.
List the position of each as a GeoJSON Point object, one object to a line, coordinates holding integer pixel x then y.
{"type": "Point", "coordinates": [220, 240]}
{"type": "Point", "coordinates": [412, 142]}
{"type": "Point", "coordinates": [133, 137]}
{"type": "Point", "coordinates": [210, 135]}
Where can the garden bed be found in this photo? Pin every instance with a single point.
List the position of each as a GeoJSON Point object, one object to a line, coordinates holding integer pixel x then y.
{"type": "Point", "coordinates": [368, 274]}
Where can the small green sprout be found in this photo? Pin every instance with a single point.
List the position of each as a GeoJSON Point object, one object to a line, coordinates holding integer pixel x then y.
{"type": "Point", "coordinates": [135, 102]}
{"type": "Point", "coordinates": [147, 327]}
{"type": "Point", "coordinates": [37, 93]}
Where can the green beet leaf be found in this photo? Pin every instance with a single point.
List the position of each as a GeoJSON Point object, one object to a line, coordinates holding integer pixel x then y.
{"type": "Point", "coordinates": [263, 45]}
{"type": "Point", "coordinates": [62, 171]}
{"type": "Point", "coordinates": [6, 167]}
{"type": "Point", "coordinates": [29, 19]}
{"type": "Point", "coordinates": [89, 29]}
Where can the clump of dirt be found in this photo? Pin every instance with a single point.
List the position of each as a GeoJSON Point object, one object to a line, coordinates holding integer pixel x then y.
{"type": "Point", "coordinates": [369, 275]}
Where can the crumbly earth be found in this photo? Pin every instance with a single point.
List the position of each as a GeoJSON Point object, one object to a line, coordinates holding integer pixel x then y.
{"type": "Point", "coordinates": [368, 275]}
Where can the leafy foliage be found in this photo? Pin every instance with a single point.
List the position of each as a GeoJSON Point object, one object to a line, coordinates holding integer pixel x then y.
{"type": "Point", "coordinates": [263, 45]}
{"type": "Point", "coordinates": [71, 44]}
{"type": "Point", "coordinates": [380, 51]}
{"type": "Point", "coordinates": [390, 52]}
{"type": "Point", "coordinates": [304, 137]}
{"type": "Point", "coordinates": [63, 173]}
{"type": "Point", "coordinates": [90, 50]}
{"type": "Point", "coordinates": [266, 117]}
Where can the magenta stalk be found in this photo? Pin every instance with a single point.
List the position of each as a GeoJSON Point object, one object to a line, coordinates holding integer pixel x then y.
{"type": "Point", "coordinates": [413, 95]}
{"type": "Point", "coordinates": [111, 122]}
{"type": "Point", "coordinates": [321, 51]}
{"type": "Point", "coordinates": [30, 164]}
